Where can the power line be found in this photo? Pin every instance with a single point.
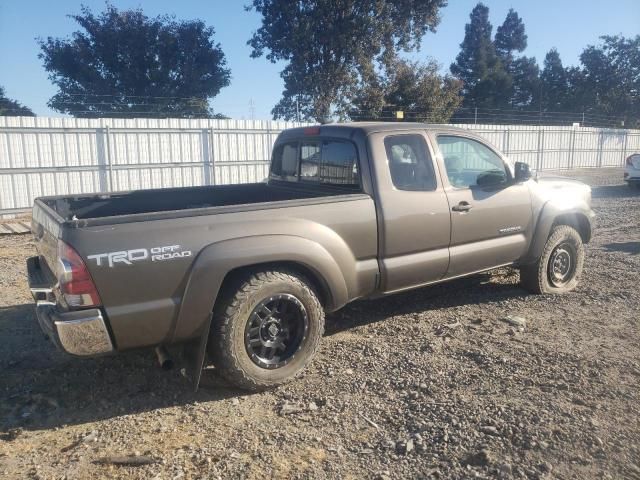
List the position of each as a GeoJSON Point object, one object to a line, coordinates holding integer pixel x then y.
{"type": "Point", "coordinates": [199, 97]}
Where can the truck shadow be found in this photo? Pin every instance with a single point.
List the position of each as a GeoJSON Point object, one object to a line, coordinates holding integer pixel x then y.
{"type": "Point", "coordinates": [614, 191]}
{"type": "Point", "coordinates": [43, 388]}
{"type": "Point", "coordinates": [475, 290]}
{"type": "Point", "coordinates": [632, 248]}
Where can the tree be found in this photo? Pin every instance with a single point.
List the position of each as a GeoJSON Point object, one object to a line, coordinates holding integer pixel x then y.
{"type": "Point", "coordinates": [525, 74]}
{"type": "Point", "coordinates": [125, 64]}
{"type": "Point", "coordinates": [12, 108]}
{"type": "Point", "coordinates": [554, 86]}
{"type": "Point", "coordinates": [330, 46]}
{"type": "Point", "coordinates": [609, 83]}
{"type": "Point", "coordinates": [510, 37]}
{"type": "Point", "coordinates": [486, 84]}
{"type": "Point", "coordinates": [416, 89]}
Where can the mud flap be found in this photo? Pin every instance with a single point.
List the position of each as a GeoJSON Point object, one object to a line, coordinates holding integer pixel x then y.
{"type": "Point", "coordinates": [194, 354]}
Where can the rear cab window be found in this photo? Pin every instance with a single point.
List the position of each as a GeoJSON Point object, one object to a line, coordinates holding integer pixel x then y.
{"type": "Point", "coordinates": [321, 160]}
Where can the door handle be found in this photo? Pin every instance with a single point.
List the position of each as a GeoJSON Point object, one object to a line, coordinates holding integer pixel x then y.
{"type": "Point", "coordinates": [462, 207]}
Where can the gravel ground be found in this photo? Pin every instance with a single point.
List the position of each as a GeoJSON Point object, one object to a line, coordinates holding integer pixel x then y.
{"type": "Point", "coordinates": [431, 383]}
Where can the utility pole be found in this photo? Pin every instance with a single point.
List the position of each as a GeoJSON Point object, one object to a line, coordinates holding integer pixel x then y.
{"type": "Point", "coordinates": [475, 116]}
{"type": "Point", "coordinates": [298, 108]}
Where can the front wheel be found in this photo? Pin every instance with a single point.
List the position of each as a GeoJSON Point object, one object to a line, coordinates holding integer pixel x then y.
{"type": "Point", "coordinates": [265, 329]}
{"type": "Point", "coordinates": [559, 267]}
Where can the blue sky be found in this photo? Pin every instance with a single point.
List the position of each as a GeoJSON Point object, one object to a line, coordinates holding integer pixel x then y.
{"type": "Point", "coordinates": [568, 25]}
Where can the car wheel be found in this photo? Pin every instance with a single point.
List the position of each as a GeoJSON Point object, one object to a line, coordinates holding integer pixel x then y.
{"type": "Point", "coordinates": [559, 267]}
{"type": "Point", "coordinates": [265, 329]}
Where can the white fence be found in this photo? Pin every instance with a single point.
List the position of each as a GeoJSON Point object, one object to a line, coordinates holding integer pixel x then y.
{"type": "Point", "coordinates": [556, 148]}
{"type": "Point", "coordinates": [54, 156]}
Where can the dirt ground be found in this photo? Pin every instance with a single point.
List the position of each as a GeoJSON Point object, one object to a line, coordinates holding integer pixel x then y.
{"type": "Point", "coordinates": [426, 384]}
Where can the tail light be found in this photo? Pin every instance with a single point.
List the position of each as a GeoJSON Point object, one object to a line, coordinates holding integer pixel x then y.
{"type": "Point", "coordinates": [75, 282]}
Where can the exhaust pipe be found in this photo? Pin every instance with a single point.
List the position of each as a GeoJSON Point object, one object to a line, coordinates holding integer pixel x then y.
{"type": "Point", "coordinates": [164, 359]}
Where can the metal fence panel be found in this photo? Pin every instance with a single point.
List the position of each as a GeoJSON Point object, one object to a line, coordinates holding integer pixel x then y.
{"type": "Point", "coordinates": [56, 156]}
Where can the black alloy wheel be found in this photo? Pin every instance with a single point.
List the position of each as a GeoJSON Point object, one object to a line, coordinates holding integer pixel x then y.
{"type": "Point", "coordinates": [276, 330]}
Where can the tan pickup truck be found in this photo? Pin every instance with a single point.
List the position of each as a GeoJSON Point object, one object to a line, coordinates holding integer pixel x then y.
{"type": "Point", "coordinates": [247, 272]}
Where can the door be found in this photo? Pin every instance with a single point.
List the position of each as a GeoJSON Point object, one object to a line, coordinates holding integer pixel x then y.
{"type": "Point", "coordinates": [491, 215]}
{"type": "Point", "coordinates": [413, 213]}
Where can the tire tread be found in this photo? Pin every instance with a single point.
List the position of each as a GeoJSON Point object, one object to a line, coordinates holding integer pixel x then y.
{"type": "Point", "coordinates": [226, 311]}
{"type": "Point", "coordinates": [533, 277]}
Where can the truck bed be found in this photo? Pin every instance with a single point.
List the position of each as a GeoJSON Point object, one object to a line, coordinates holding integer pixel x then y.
{"type": "Point", "coordinates": [124, 204]}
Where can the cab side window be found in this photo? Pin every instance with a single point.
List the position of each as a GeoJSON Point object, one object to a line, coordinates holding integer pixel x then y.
{"type": "Point", "coordinates": [469, 163]}
{"type": "Point", "coordinates": [409, 162]}
{"type": "Point", "coordinates": [284, 164]}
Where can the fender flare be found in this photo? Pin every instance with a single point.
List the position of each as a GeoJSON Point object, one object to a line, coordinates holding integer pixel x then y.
{"type": "Point", "coordinates": [215, 261]}
{"type": "Point", "coordinates": [577, 214]}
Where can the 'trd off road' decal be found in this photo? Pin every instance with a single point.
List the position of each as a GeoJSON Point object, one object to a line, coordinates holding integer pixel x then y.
{"type": "Point", "coordinates": [128, 257]}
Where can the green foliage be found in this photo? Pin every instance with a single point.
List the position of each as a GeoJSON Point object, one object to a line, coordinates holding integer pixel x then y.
{"type": "Point", "coordinates": [12, 108]}
{"type": "Point", "coordinates": [125, 64]}
{"type": "Point", "coordinates": [606, 85]}
{"type": "Point", "coordinates": [414, 88]}
{"type": "Point", "coordinates": [609, 83]}
{"type": "Point", "coordinates": [554, 83]}
{"type": "Point", "coordinates": [526, 82]}
{"type": "Point", "coordinates": [330, 46]}
{"type": "Point", "coordinates": [510, 37]}
{"type": "Point", "coordinates": [486, 84]}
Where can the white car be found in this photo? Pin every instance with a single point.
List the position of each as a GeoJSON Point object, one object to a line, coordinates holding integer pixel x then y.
{"type": "Point", "coordinates": [632, 170]}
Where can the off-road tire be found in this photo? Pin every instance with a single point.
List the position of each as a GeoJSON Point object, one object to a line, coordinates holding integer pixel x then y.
{"type": "Point", "coordinates": [535, 277]}
{"type": "Point", "coordinates": [226, 346]}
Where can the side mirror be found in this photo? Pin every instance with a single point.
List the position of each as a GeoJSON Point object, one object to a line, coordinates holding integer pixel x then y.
{"type": "Point", "coordinates": [522, 172]}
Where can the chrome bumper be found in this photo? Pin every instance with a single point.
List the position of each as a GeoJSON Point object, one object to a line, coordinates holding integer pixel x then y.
{"type": "Point", "coordinates": [83, 332]}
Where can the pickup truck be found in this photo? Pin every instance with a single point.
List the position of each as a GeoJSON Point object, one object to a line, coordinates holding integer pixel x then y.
{"type": "Point", "coordinates": [245, 273]}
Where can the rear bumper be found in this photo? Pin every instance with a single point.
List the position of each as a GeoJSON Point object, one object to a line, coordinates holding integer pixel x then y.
{"type": "Point", "coordinates": [83, 333]}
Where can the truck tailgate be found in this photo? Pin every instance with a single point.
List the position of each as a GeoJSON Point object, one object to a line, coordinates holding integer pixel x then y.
{"type": "Point", "coordinates": [46, 226]}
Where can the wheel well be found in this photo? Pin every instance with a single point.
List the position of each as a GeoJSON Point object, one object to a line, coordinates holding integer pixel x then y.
{"type": "Point", "coordinates": [577, 221]}
{"type": "Point", "coordinates": [317, 283]}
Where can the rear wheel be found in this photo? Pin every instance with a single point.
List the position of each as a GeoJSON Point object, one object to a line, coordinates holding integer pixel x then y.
{"type": "Point", "coordinates": [266, 328]}
{"type": "Point", "coordinates": [559, 267]}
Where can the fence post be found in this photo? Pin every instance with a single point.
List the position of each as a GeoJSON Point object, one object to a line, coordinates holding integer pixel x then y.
{"type": "Point", "coordinates": [206, 159]}
{"type": "Point", "coordinates": [505, 142]}
{"type": "Point", "coordinates": [573, 148]}
{"type": "Point", "coordinates": [108, 157]}
{"type": "Point", "coordinates": [624, 147]}
{"type": "Point", "coordinates": [101, 146]}
{"type": "Point", "coordinates": [600, 147]}
{"type": "Point", "coordinates": [212, 159]}
{"type": "Point", "coordinates": [540, 149]}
